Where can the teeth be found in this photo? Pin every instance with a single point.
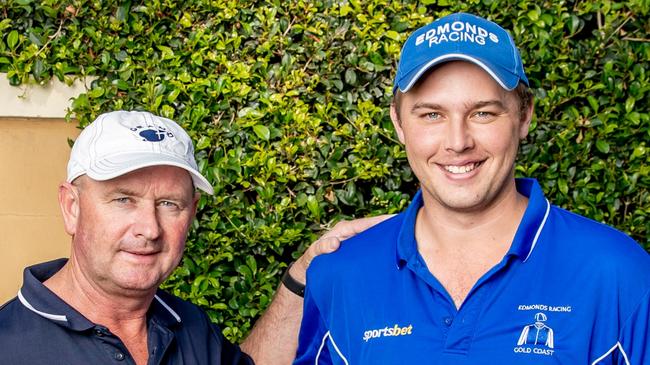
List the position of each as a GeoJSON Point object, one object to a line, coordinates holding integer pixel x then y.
{"type": "Point", "coordinates": [461, 169]}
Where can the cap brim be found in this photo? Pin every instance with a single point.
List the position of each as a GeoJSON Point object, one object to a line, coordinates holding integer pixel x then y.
{"type": "Point", "coordinates": [120, 164]}
{"type": "Point", "coordinates": [504, 78]}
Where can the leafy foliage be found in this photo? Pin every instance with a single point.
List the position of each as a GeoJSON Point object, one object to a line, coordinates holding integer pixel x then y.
{"type": "Point", "coordinates": [287, 102]}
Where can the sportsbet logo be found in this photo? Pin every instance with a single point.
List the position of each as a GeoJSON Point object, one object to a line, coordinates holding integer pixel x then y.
{"type": "Point", "coordinates": [388, 332]}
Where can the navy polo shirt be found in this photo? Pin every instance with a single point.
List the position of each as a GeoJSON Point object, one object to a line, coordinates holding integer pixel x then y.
{"type": "Point", "coordinates": [37, 327]}
{"type": "Point", "coordinates": [568, 291]}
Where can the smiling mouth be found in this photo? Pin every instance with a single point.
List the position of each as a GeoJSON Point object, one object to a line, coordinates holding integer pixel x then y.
{"type": "Point", "coordinates": [454, 169]}
{"type": "Point", "coordinates": [143, 253]}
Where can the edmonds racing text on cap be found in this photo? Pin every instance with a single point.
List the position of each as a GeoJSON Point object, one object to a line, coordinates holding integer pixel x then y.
{"type": "Point", "coordinates": [460, 36]}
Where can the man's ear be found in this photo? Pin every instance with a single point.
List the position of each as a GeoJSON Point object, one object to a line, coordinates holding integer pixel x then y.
{"type": "Point", "coordinates": [195, 202]}
{"type": "Point", "coordinates": [69, 204]}
{"type": "Point", "coordinates": [526, 118]}
{"type": "Point", "coordinates": [396, 122]}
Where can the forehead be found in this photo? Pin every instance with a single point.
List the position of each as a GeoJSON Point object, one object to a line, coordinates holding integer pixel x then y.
{"type": "Point", "coordinates": [160, 179]}
{"type": "Point", "coordinates": [459, 74]}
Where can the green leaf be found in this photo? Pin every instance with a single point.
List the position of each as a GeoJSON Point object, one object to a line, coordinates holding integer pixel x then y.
{"type": "Point", "coordinates": [602, 146]}
{"type": "Point", "coordinates": [12, 39]}
{"type": "Point", "coordinates": [262, 132]}
{"type": "Point", "coordinates": [250, 261]}
{"type": "Point", "coordinates": [39, 69]}
{"type": "Point", "coordinates": [313, 206]}
{"type": "Point", "coordinates": [95, 92]}
{"type": "Point", "coordinates": [639, 151]}
{"type": "Point", "coordinates": [121, 84]}
{"type": "Point", "coordinates": [392, 35]}
{"type": "Point", "coordinates": [4, 24]}
{"type": "Point", "coordinates": [123, 10]}
{"type": "Point", "coordinates": [350, 76]}
{"type": "Point", "coordinates": [629, 104]}
{"type": "Point", "coordinates": [563, 186]}
{"type": "Point", "coordinates": [167, 111]}
{"type": "Point", "coordinates": [574, 23]}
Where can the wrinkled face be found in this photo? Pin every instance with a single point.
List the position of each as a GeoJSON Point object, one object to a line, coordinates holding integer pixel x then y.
{"type": "Point", "coordinates": [461, 131]}
{"type": "Point", "coordinates": [129, 232]}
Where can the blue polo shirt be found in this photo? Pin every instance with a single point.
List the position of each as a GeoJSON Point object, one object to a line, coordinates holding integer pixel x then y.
{"type": "Point", "coordinates": [37, 327]}
{"type": "Point", "coordinates": [568, 291]}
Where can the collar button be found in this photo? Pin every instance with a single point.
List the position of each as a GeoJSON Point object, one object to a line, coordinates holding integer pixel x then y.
{"type": "Point", "coordinates": [448, 321]}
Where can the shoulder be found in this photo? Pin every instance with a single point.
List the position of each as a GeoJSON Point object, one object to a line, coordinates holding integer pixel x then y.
{"type": "Point", "coordinates": [359, 254]}
{"type": "Point", "coordinates": [603, 246]}
{"type": "Point", "coordinates": [21, 329]}
{"type": "Point", "coordinates": [17, 319]}
{"type": "Point", "coordinates": [585, 231]}
{"type": "Point", "coordinates": [194, 329]}
{"type": "Point", "coordinates": [10, 313]}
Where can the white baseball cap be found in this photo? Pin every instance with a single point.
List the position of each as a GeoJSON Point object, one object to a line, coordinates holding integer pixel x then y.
{"type": "Point", "coordinates": [119, 142]}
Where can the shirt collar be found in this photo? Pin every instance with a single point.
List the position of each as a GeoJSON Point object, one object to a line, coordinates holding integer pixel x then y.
{"type": "Point", "coordinates": [39, 299]}
{"type": "Point", "coordinates": [532, 222]}
{"type": "Point", "coordinates": [525, 239]}
{"type": "Point", "coordinates": [406, 245]}
{"type": "Point", "coordinates": [42, 301]}
{"type": "Point", "coordinates": [162, 312]}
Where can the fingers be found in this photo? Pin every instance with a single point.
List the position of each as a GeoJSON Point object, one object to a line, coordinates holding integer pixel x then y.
{"type": "Point", "coordinates": [346, 229]}
{"type": "Point", "coordinates": [323, 245]}
{"type": "Point", "coordinates": [330, 242]}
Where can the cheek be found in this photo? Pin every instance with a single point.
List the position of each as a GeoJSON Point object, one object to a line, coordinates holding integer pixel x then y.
{"type": "Point", "coordinates": [176, 229]}
{"type": "Point", "coordinates": [504, 140]}
{"type": "Point", "coordinates": [421, 144]}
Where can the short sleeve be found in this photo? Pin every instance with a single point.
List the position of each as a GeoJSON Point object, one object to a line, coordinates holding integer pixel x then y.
{"type": "Point", "coordinates": [634, 339]}
{"type": "Point", "coordinates": [229, 353]}
{"type": "Point", "coordinates": [312, 346]}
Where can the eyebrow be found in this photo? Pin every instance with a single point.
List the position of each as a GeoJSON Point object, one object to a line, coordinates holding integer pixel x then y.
{"type": "Point", "coordinates": [476, 105]}
{"type": "Point", "coordinates": [122, 191]}
{"type": "Point", "coordinates": [482, 104]}
{"type": "Point", "coordinates": [128, 192]}
{"type": "Point", "coordinates": [425, 105]}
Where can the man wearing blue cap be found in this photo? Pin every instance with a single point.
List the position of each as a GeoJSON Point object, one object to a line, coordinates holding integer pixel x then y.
{"type": "Point", "coordinates": [480, 268]}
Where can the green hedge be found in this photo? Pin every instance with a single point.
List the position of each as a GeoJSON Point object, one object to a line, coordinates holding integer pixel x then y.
{"type": "Point", "coordinates": [287, 102]}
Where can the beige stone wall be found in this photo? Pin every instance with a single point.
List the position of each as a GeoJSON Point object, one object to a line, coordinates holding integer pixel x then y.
{"type": "Point", "coordinates": [33, 157]}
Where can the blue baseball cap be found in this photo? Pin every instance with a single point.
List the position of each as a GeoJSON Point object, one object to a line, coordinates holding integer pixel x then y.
{"type": "Point", "coordinates": [464, 37]}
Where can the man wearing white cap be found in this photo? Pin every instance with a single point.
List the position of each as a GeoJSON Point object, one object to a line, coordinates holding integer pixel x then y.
{"type": "Point", "coordinates": [478, 256]}
{"type": "Point", "coordinates": [128, 203]}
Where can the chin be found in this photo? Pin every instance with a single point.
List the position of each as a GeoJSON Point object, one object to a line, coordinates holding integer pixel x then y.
{"type": "Point", "coordinates": [138, 283]}
{"type": "Point", "coordinates": [465, 203]}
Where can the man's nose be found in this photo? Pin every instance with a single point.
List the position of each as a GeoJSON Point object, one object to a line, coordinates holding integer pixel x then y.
{"type": "Point", "coordinates": [459, 137]}
{"type": "Point", "coordinates": [147, 223]}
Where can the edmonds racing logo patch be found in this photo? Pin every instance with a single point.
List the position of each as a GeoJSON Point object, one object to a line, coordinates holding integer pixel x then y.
{"type": "Point", "coordinates": [538, 335]}
{"type": "Point", "coordinates": [456, 32]}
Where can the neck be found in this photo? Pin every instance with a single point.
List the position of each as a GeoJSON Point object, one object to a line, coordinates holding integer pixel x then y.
{"type": "Point", "coordinates": [120, 313]}
{"type": "Point", "coordinates": [490, 228]}
{"type": "Point", "coordinates": [124, 315]}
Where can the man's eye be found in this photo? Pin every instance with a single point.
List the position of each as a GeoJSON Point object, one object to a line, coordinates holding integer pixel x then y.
{"type": "Point", "coordinates": [122, 200]}
{"type": "Point", "coordinates": [166, 203]}
{"type": "Point", "coordinates": [483, 114]}
{"type": "Point", "coordinates": [433, 116]}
